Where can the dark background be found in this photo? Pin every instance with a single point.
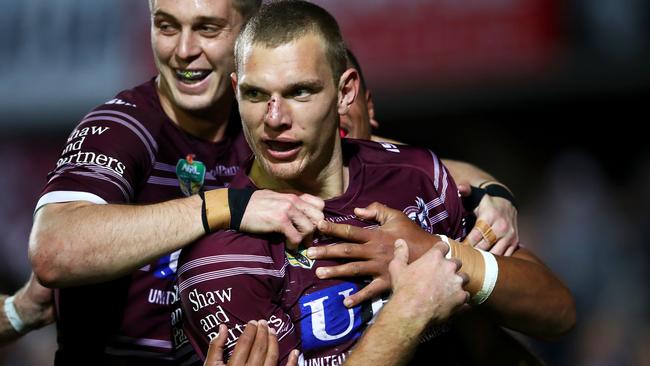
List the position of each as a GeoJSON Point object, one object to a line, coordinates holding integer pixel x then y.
{"type": "Point", "coordinates": [549, 96]}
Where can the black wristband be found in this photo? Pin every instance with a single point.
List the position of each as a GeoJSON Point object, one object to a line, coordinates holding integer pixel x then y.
{"type": "Point", "coordinates": [237, 201]}
{"type": "Point", "coordinates": [495, 190]}
{"type": "Point", "coordinates": [204, 215]}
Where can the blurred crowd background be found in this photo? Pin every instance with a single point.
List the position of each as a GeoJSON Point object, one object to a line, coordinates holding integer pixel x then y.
{"type": "Point", "coordinates": [548, 95]}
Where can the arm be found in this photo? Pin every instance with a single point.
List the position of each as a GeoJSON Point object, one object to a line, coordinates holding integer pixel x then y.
{"type": "Point", "coordinates": [414, 305]}
{"type": "Point", "coordinates": [33, 304]}
{"type": "Point", "coordinates": [467, 173]}
{"type": "Point", "coordinates": [78, 242]}
{"type": "Point", "coordinates": [527, 297]}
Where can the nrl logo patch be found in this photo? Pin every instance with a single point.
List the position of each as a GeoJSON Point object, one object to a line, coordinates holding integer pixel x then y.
{"type": "Point", "coordinates": [299, 258]}
{"type": "Point", "coordinates": [191, 174]}
{"type": "Point", "coordinates": [419, 214]}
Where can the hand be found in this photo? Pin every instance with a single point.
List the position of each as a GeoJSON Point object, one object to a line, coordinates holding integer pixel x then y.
{"type": "Point", "coordinates": [431, 287]}
{"type": "Point", "coordinates": [34, 304]}
{"type": "Point", "coordinates": [501, 218]}
{"type": "Point", "coordinates": [294, 216]}
{"type": "Point", "coordinates": [257, 346]}
{"type": "Point", "coordinates": [376, 251]}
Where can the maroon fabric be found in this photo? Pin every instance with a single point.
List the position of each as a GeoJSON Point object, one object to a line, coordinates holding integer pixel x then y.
{"type": "Point", "coordinates": [231, 278]}
{"type": "Point", "coordinates": [125, 151]}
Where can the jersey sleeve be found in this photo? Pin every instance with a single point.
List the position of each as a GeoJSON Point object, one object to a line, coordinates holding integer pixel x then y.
{"type": "Point", "coordinates": [103, 159]}
{"type": "Point", "coordinates": [448, 192]}
{"type": "Point", "coordinates": [230, 278]}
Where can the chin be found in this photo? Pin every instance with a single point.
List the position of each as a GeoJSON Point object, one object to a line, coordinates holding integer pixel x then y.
{"type": "Point", "coordinates": [194, 102]}
{"type": "Point", "coordinates": [284, 172]}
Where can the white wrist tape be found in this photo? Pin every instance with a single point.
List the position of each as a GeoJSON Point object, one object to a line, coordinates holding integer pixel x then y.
{"type": "Point", "coordinates": [12, 315]}
{"type": "Point", "coordinates": [490, 279]}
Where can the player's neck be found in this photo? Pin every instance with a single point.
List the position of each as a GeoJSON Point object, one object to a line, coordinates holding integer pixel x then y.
{"type": "Point", "coordinates": [208, 124]}
{"type": "Point", "coordinates": [326, 182]}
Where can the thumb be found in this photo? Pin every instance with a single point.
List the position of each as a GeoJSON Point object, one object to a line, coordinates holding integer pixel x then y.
{"type": "Point", "coordinates": [464, 189]}
{"type": "Point", "coordinates": [215, 351]}
{"type": "Point", "coordinates": [400, 260]}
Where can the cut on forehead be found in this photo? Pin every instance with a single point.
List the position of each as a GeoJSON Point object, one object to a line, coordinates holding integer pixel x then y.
{"type": "Point", "coordinates": [282, 22]}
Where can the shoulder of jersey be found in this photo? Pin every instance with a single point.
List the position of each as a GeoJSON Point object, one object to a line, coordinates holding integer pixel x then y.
{"type": "Point", "coordinates": [138, 106]}
{"type": "Point", "coordinates": [380, 152]}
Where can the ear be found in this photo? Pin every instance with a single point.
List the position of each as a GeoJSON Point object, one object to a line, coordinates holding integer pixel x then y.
{"type": "Point", "coordinates": [371, 110]}
{"type": "Point", "coordinates": [348, 90]}
{"type": "Point", "coordinates": [233, 82]}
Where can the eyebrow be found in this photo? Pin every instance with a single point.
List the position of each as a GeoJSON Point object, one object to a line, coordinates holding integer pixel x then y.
{"type": "Point", "coordinates": [199, 20]}
{"type": "Point", "coordinates": [315, 85]}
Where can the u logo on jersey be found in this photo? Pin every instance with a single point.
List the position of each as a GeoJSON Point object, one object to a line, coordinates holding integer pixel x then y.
{"type": "Point", "coordinates": [166, 266]}
{"type": "Point", "coordinates": [326, 321]}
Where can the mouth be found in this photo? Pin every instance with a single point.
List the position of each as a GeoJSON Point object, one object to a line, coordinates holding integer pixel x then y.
{"type": "Point", "coordinates": [282, 150]}
{"type": "Point", "coordinates": [191, 76]}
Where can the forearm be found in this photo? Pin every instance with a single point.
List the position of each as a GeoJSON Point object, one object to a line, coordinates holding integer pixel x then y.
{"type": "Point", "coordinates": [376, 348]}
{"type": "Point", "coordinates": [529, 298]}
{"type": "Point", "coordinates": [79, 243]}
{"type": "Point", "coordinates": [463, 172]}
{"type": "Point", "coordinates": [7, 332]}
{"type": "Point", "coordinates": [524, 296]}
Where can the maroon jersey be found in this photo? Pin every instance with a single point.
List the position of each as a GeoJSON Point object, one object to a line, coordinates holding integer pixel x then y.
{"type": "Point", "coordinates": [232, 278]}
{"type": "Point", "coordinates": [126, 151]}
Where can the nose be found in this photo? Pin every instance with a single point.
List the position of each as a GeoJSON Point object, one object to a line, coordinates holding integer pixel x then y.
{"type": "Point", "coordinates": [277, 114]}
{"type": "Point", "coordinates": [188, 45]}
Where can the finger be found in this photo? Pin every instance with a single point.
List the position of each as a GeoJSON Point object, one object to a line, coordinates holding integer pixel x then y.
{"type": "Point", "coordinates": [456, 262]}
{"type": "Point", "coordinates": [377, 212]}
{"type": "Point", "coordinates": [474, 237]}
{"type": "Point", "coordinates": [500, 247]}
{"type": "Point", "coordinates": [483, 244]}
{"type": "Point", "coordinates": [314, 213]}
{"type": "Point", "coordinates": [464, 276]}
{"type": "Point", "coordinates": [372, 290]}
{"type": "Point", "coordinates": [400, 259]}
{"type": "Point", "coordinates": [339, 251]}
{"type": "Point", "coordinates": [301, 222]}
{"type": "Point", "coordinates": [464, 189]}
{"type": "Point", "coordinates": [366, 213]}
{"type": "Point", "coordinates": [352, 269]}
{"type": "Point", "coordinates": [294, 238]}
{"type": "Point", "coordinates": [273, 351]}
{"type": "Point", "coordinates": [293, 358]}
{"type": "Point", "coordinates": [443, 247]}
{"type": "Point", "coordinates": [511, 250]}
{"type": "Point", "coordinates": [317, 202]}
{"type": "Point", "coordinates": [345, 232]}
{"type": "Point", "coordinates": [215, 351]}
{"type": "Point", "coordinates": [244, 344]}
{"type": "Point", "coordinates": [260, 345]}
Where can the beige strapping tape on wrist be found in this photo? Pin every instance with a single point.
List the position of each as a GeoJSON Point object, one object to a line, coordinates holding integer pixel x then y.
{"type": "Point", "coordinates": [483, 273]}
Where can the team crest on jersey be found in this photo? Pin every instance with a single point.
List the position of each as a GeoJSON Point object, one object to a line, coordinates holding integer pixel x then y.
{"type": "Point", "coordinates": [419, 214]}
{"type": "Point", "coordinates": [299, 258]}
{"type": "Point", "coordinates": [191, 174]}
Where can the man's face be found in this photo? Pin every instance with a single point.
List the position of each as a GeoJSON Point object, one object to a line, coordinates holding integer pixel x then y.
{"type": "Point", "coordinates": [288, 105]}
{"type": "Point", "coordinates": [193, 44]}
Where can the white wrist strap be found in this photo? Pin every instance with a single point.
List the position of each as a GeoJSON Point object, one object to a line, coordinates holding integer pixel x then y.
{"type": "Point", "coordinates": [13, 317]}
{"type": "Point", "coordinates": [490, 279]}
